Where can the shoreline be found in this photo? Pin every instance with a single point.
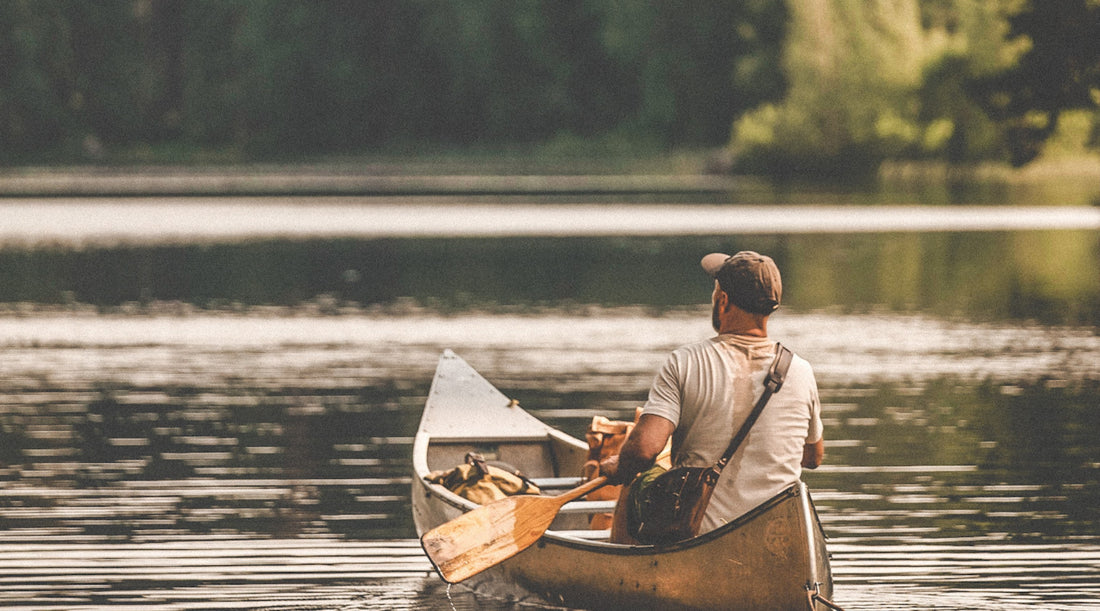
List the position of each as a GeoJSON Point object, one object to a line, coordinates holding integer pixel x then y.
{"type": "Point", "coordinates": [507, 176]}
{"type": "Point", "coordinates": [291, 181]}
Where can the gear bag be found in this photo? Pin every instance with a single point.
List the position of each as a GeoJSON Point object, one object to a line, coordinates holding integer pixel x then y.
{"type": "Point", "coordinates": [483, 482]}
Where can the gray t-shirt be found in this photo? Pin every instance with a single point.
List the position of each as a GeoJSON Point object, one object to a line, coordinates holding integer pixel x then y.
{"type": "Point", "coordinates": [707, 389]}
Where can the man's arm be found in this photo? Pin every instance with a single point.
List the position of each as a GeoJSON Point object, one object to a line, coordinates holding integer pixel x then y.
{"type": "Point", "coordinates": [813, 454]}
{"type": "Point", "coordinates": [640, 449]}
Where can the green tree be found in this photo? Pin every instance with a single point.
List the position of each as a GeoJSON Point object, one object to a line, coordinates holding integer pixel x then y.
{"type": "Point", "coordinates": [878, 80]}
{"type": "Point", "coordinates": [853, 68]}
{"type": "Point", "coordinates": [77, 75]}
{"type": "Point", "coordinates": [36, 70]}
{"type": "Point", "coordinates": [287, 77]}
{"type": "Point", "coordinates": [703, 63]}
{"type": "Point", "coordinates": [1060, 71]}
{"type": "Point", "coordinates": [968, 41]}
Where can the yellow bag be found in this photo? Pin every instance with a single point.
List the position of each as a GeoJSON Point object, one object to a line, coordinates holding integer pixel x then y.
{"type": "Point", "coordinates": [482, 482]}
{"type": "Point", "coordinates": [605, 439]}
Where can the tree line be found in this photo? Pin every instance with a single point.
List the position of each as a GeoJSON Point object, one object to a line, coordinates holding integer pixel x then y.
{"type": "Point", "coordinates": [960, 81]}
{"type": "Point", "coordinates": [812, 85]}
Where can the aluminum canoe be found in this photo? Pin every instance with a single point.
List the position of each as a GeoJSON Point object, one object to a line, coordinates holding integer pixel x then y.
{"type": "Point", "coordinates": [773, 558]}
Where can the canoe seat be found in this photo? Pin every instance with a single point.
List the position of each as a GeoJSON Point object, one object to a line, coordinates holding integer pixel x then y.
{"type": "Point", "coordinates": [557, 483]}
{"type": "Point", "coordinates": [588, 507]}
{"type": "Point", "coordinates": [588, 535]}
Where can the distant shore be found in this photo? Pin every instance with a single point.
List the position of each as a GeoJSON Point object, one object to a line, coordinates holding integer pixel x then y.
{"type": "Point", "coordinates": [293, 180]}
{"type": "Point", "coordinates": [1069, 168]}
{"type": "Point", "coordinates": [684, 174]}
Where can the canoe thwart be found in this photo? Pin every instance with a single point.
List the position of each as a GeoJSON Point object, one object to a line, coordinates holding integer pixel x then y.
{"type": "Point", "coordinates": [588, 507]}
{"type": "Point", "coordinates": [557, 483]}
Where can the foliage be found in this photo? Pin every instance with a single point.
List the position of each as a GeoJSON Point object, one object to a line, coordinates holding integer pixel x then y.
{"type": "Point", "coordinates": [1060, 71]}
{"type": "Point", "coordinates": [969, 41]}
{"type": "Point", "coordinates": [816, 88]}
{"type": "Point", "coordinates": [957, 80]}
{"type": "Point", "coordinates": [876, 80]}
{"type": "Point", "coordinates": [286, 77]}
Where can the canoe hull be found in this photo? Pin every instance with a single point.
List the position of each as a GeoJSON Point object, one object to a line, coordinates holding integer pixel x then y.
{"type": "Point", "coordinates": [769, 559]}
{"type": "Point", "coordinates": [728, 570]}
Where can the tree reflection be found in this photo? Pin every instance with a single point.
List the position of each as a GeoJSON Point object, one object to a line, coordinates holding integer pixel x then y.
{"type": "Point", "coordinates": [1046, 276]}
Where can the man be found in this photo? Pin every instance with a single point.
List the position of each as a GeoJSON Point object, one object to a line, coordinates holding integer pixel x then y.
{"type": "Point", "coordinates": [705, 391]}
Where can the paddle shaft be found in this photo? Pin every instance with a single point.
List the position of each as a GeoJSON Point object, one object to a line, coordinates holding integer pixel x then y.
{"type": "Point", "coordinates": [490, 534]}
{"type": "Point", "coordinates": [579, 491]}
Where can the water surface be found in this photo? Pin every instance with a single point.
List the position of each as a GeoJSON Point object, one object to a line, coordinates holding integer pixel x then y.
{"type": "Point", "coordinates": [221, 219]}
{"type": "Point", "coordinates": [227, 423]}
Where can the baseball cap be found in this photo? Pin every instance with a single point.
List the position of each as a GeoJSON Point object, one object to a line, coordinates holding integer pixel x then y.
{"type": "Point", "coordinates": [750, 279]}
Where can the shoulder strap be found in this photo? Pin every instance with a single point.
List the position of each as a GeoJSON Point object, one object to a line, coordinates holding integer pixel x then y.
{"type": "Point", "coordinates": [772, 383]}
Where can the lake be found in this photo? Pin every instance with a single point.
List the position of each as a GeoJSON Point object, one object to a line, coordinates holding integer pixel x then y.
{"type": "Point", "coordinates": [209, 403]}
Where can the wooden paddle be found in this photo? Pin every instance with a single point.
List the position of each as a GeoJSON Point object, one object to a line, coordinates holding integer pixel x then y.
{"type": "Point", "coordinates": [493, 533]}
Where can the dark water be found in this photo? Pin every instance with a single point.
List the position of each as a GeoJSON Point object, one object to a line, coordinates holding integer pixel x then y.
{"type": "Point", "coordinates": [227, 424]}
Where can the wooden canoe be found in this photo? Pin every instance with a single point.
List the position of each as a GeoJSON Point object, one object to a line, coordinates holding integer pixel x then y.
{"type": "Point", "coordinates": [772, 558]}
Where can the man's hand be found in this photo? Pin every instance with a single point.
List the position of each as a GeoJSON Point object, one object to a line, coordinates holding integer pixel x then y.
{"type": "Point", "coordinates": [813, 454]}
{"type": "Point", "coordinates": [639, 450]}
{"type": "Point", "coordinates": [609, 467]}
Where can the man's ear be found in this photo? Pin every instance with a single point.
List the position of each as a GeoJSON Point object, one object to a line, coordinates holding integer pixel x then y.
{"type": "Point", "coordinates": [723, 301]}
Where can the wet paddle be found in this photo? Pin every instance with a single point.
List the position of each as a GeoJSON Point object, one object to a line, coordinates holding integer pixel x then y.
{"type": "Point", "coordinates": [493, 533]}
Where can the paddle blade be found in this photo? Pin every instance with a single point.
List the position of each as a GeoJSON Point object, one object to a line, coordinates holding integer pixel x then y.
{"type": "Point", "coordinates": [493, 533]}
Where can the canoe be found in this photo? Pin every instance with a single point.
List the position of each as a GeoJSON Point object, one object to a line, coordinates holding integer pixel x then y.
{"type": "Point", "coordinates": [772, 558]}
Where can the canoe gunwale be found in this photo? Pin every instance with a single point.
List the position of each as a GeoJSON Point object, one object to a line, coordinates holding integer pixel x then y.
{"type": "Point", "coordinates": [441, 493]}
{"type": "Point", "coordinates": [794, 490]}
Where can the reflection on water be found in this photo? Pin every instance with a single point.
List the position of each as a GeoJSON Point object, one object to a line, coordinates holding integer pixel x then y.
{"type": "Point", "coordinates": [975, 262]}
{"type": "Point", "coordinates": [973, 576]}
{"type": "Point", "coordinates": [228, 424]}
{"type": "Point", "coordinates": [258, 461]}
{"type": "Point", "coordinates": [207, 573]}
{"type": "Point", "coordinates": [159, 220]}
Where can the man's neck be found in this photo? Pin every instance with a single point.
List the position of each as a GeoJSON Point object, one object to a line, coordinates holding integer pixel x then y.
{"type": "Point", "coordinates": [759, 333]}
{"type": "Point", "coordinates": [739, 322]}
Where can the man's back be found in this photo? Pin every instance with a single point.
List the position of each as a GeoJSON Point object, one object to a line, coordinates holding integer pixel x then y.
{"type": "Point", "coordinates": [705, 391]}
{"type": "Point", "coordinates": [708, 389]}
